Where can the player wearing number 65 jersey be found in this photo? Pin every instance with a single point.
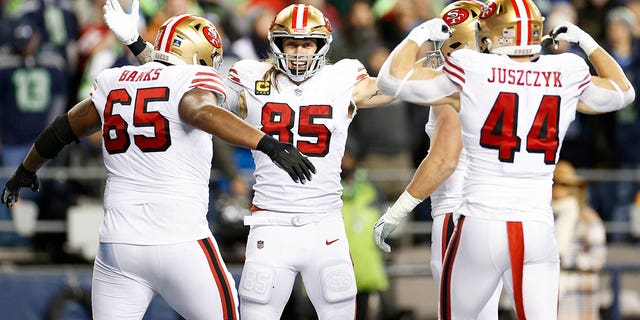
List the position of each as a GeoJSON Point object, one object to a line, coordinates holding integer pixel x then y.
{"type": "Point", "coordinates": [296, 98]}
{"type": "Point", "coordinates": [156, 122]}
{"type": "Point", "coordinates": [515, 107]}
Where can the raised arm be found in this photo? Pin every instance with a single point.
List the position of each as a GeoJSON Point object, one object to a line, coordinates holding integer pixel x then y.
{"type": "Point", "coordinates": [401, 77]}
{"type": "Point", "coordinates": [610, 90]}
{"type": "Point", "coordinates": [125, 27]}
{"type": "Point", "coordinates": [367, 94]}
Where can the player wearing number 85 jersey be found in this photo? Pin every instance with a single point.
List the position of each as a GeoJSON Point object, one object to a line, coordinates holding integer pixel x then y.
{"type": "Point", "coordinates": [515, 106]}
{"type": "Point", "coordinates": [295, 229]}
{"type": "Point", "coordinates": [157, 122]}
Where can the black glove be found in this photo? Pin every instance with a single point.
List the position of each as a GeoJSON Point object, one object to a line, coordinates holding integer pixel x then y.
{"type": "Point", "coordinates": [21, 178]}
{"type": "Point", "coordinates": [287, 157]}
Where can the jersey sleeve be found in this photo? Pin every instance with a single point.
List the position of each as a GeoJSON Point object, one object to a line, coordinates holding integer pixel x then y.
{"type": "Point", "coordinates": [208, 79]}
{"type": "Point", "coordinates": [454, 66]}
{"type": "Point", "coordinates": [245, 72]}
{"type": "Point", "coordinates": [353, 69]}
{"type": "Point", "coordinates": [577, 71]}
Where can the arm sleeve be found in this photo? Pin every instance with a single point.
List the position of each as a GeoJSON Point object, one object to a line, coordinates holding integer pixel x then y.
{"type": "Point", "coordinates": [416, 91]}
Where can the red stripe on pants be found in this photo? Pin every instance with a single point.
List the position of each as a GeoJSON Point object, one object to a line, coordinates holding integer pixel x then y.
{"type": "Point", "coordinates": [516, 253]}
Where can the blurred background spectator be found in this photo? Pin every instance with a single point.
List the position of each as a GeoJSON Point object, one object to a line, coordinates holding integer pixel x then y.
{"type": "Point", "coordinates": [34, 84]}
{"type": "Point", "coordinates": [581, 238]}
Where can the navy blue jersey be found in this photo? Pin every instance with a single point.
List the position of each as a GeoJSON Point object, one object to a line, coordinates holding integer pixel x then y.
{"type": "Point", "coordinates": [34, 92]}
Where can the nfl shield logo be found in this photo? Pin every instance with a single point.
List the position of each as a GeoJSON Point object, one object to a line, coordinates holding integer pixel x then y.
{"type": "Point", "coordinates": [260, 244]}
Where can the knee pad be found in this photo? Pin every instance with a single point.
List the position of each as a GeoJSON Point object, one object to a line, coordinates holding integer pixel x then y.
{"type": "Point", "coordinates": [256, 282]}
{"type": "Point", "coordinates": [338, 281]}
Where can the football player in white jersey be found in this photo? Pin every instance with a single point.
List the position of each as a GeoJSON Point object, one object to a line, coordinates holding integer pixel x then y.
{"type": "Point", "coordinates": [298, 98]}
{"type": "Point", "coordinates": [515, 106]}
{"type": "Point", "coordinates": [441, 173]}
{"type": "Point", "coordinates": [157, 122]}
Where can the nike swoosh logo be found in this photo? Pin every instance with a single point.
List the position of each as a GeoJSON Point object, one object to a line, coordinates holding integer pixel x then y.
{"type": "Point", "coordinates": [327, 242]}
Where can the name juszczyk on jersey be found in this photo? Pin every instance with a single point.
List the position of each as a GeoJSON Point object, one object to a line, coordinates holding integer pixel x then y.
{"type": "Point", "coordinates": [529, 78]}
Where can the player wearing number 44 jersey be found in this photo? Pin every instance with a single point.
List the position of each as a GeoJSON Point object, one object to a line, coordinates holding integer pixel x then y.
{"type": "Point", "coordinates": [156, 122]}
{"type": "Point", "coordinates": [515, 106]}
{"type": "Point", "coordinates": [298, 99]}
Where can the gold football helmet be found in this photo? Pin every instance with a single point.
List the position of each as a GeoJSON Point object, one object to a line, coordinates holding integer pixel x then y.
{"type": "Point", "coordinates": [511, 27]}
{"type": "Point", "coordinates": [188, 39]}
{"type": "Point", "coordinates": [300, 21]}
{"type": "Point", "coordinates": [461, 17]}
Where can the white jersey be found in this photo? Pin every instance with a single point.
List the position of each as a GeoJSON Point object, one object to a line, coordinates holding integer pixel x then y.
{"type": "Point", "coordinates": [514, 117]}
{"type": "Point", "coordinates": [314, 116]}
{"type": "Point", "coordinates": [158, 168]}
{"type": "Point", "coordinates": [448, 196]}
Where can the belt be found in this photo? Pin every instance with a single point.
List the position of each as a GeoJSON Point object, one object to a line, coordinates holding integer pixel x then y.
{"type": "Point", "coordinates": [266, 218]}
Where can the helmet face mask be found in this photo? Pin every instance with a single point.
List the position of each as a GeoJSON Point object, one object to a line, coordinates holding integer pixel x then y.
{"type": "Point", "coordinates": [462, 18]}
{"type": "Point", "coordinates": [299, 21]}
{"type": "Point", "coordinates": [510, 27]}
{"type": "Point", "coordinates": [188, 39]}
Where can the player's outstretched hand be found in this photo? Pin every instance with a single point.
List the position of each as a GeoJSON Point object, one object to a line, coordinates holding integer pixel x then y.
{"type": "Point", "coordinates": [21, 178]}
{"type": "Point", "coordinates": [431, 30]}
{"type": "Point", "coordinates": [567, 31]}
{"type": "Point", "coordinates": [383, 228]}
{"type": "Point", "coordinates": [288, 158]}
{"type": "Point", "coordinates": [123, 25]}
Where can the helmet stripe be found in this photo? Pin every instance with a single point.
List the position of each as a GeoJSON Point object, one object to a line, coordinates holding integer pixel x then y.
{"type": "Point", "coordinates": [299, 16]}
{"type": "Point", "coordinates": [527, 11]}
{"type": "Point", "coordinates": [523, 22]}
{"type": "Point", "coordinates": [305, 16]}
{"type": "Point", "coordinates": [169, 31]}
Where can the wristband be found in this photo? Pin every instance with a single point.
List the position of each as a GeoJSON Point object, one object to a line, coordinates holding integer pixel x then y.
{"type": "Point", "coordinates": [588, 44]}
{"type": "Point", "coordinates": [23, 171]}
{"type": "Point", "coordinates": [267, 144]}
{"type": "Point", "coordinates": [405, 204]}
{"type": "Point", "coordinates": [137, 46]}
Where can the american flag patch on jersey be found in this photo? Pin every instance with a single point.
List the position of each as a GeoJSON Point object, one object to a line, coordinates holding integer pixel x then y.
{"type": "Point", "coordinates": [177, 42]}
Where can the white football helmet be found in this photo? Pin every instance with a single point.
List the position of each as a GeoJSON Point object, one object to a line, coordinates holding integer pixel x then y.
{"type": "Point", "coordinates": [511, 27]}
{"type": "Point", "coordinates": [300, 21]}
{"type": "Point", "coordinates": [188, 39]}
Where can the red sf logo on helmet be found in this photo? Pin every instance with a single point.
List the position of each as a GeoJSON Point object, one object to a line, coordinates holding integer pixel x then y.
{"type": "Point", "coordinates": [455, 16]}
{"type": "Point", "coordinates": [212, 36]}
{"type": "Point", "coordinates": [327, 24]}
{"type": "Point", "coordinates": [488, 10]}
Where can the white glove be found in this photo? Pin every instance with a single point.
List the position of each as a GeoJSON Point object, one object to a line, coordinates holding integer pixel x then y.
{"type": "Point", "coordinates": [567, 31]}
{"type": "Point", "coordinates": [431, 30]}
{"type": "Point", "coordinates": [383, 228]}
{"type": "Point", "coordinates": [123, 25]}
{"type": "Point", "coordinates": [392, 218]}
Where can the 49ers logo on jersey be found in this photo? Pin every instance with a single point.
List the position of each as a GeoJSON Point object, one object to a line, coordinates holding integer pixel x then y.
{"type": "Point", "coordinates": [455, 16]}
{"type": "Point", "coordinates": [263, 88]}
{"type": "Point", "coordinates": [212, 36]}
